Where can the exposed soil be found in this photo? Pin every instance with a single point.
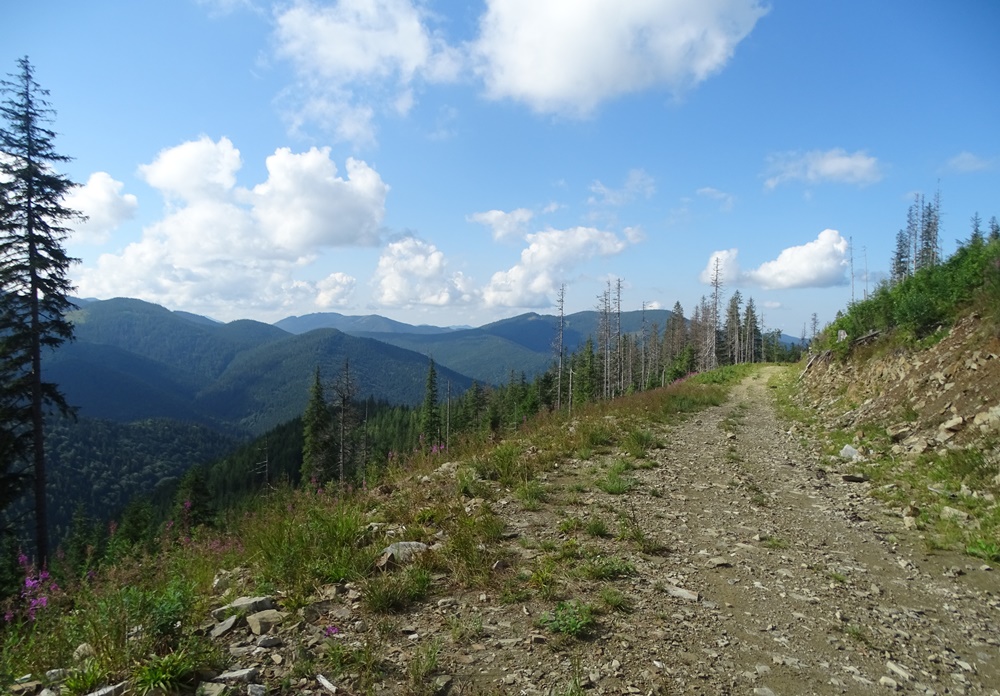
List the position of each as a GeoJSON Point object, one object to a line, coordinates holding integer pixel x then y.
{"type": "Point", "coordinates": [756, 569]}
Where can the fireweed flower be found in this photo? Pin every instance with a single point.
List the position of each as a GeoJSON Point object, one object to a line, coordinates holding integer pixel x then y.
{"type": "Point", "coordinates": [330, 631]}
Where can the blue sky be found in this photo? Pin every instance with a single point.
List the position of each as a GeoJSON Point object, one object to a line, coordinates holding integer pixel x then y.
{"type": "Point", "coordinates": [455, 163]}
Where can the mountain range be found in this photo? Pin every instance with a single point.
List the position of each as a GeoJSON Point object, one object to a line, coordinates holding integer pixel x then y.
{"type": "Point", "coordinates": [134, 360]}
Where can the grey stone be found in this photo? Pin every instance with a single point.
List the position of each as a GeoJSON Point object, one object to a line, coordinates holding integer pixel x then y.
{"type": "Point", "coordinates": [681, 593]}
{"type": "Point", "coordinates": [212, 689]}
{"type": "Point", "coordinates": [84, 651]}
{"type": "Point", "coordinates": [241, 676]}
{"type": "Point", "coordinates": [244, 605]}
{"type": "Point", "coordinates": [403, 551]}
{"type": "Point", "coordinates": [898, 671]}
{"type": "Point", "coordinates": [263, 621]}
{"type": "Point", "coordinates": [269, 642]}
{"type": "Point", "coordinates": [114, 690]}
{"type": "Point", "coordinates": [888, 682]}
{"type": "Point", "coordinates": [224, 627]}
{"type": "Point", "coordinates": [849, 452]}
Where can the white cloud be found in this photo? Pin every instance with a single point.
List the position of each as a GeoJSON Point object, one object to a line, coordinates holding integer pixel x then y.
{"type": "Point", "coordinates": [639, 184]}
{"type": "Point", "coordinates": [965, 162]}
{"type": "Point", "coordinates": [550, 254]}
{"type": "Point", "coordinates": [196, 170]}
{"type": "Point", "coordinates": [504, 225]}
{"type": "Point", "coordinates": [726, 264]}
{"type": "Point", "coordinates": [726, 200]}
{"type": "Point", "coordinates": [106, 208]}
{"type": "Point", "coordinates": [221, 250]}
{"type": "Point", "coordinates": [820, 263]}
{"type": "Point", "coordinates": [565, 56]}
{"type": "Point", "coordinates": [817, 166]}
{"type": "Point", "coordinates": [304, 204]}
{"type": "Point", "coordinates": [413, 272]}
{"type": "Point", "coordinates": [335, 290]}
{"type": "Point", "coordinates": [353, 53]}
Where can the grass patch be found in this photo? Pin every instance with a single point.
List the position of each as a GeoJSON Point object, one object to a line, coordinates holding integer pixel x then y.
{"type": "Point", "coordinates": [597, 527]}
{"type": "Point", "coordinates": [572, 618]}
{"type": "Point", "coordinates": [607, 568]}
{"type": "Point", "coordinates": [506, 463]}
{"type": "Point", "coordinates": [614, 481]}
{"type": "Point", "coordinates": [531, 494]}
{"type": "Point", "coordinates": [615, 600]}
{"type": "Point", "coordinates": [637, 443]}
{"type": "Point", "coordinates": [395, 592]}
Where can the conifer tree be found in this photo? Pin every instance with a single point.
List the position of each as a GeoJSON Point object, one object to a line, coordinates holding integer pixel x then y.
{"type": "Point", "coordinates": [315, 431]}
{"type": "Point", "coordinates": [430, 417]}
{"type": "Point", "coordinates": [34, 285]}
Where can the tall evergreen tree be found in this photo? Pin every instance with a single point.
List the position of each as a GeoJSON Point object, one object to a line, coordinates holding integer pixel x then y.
{"type": "Point", "coordinates": [994, 234]}
{"type": "Point", "coordinates": [900, 258]}
{"type": "Point", "coordinates": [977, 232]}
{"type": "Point", "coordinates": [34, 282]}
{"type": "Point", "coordinates": [930, 234]}
{"type": "Point", "coordinates": [733, 329]}
{"type": "Point", "coordinates": [430, 415]}
{"type": "Point", "coordinates": [753, 340]}
{"type": "Point", "coordinates": [675, 334]}
{"type": "Point", "coordinates": [316, 433]}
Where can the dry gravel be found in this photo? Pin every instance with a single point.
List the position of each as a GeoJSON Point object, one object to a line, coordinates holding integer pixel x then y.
{"type": "Point", "coordinates": [775, 576]}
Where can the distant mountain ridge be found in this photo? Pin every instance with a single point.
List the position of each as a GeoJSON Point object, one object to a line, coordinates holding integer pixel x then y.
{"type": "Point", "coordinates": [134, 360]}
{"type": "Point", "coordinates": [369, 323]}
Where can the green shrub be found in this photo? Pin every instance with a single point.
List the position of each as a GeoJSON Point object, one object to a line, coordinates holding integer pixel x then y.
{"type": "Point", "coordinates": [572, 618]}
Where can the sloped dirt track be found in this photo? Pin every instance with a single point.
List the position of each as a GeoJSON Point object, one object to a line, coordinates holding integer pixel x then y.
{"type": "Point", "coordinates": [779, 577]}
{"type": "Point", "coordinates": [736, 560]}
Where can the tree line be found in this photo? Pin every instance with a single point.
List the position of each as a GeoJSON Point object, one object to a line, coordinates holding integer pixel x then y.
{"type": "Point", "coordinates": [925, 289]}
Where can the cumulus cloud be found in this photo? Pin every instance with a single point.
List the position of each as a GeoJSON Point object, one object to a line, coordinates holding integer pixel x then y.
{"type": "Point", "coordinates": [550, 254]}
{"type": "Point", "coordinates": [197, 170]}
{"type": "Point", "coordinates": [355, 53]}
{"type": "Point", "coordinates": [413, 272]}
{"type": "Point", "coordinates": [820, 263]}
{"type": "Point", "coordinates": [304, 204]}
{"type": "Point", "coordinates": [965, 162]}
{"type": "Point", "coordinates": [335, 290]}
{"type": "Point", "coordinates": [638, 184]}
{"type": "Point", "coordinates": [818, 166]}
{"type": "Point", "coordinates": [220, 245]}
{"type": "Point", "coordinates": [105, 206]}
{"type": "Point", "coordinates": [504, 225]}
{"type": "Point", "coordinates": [568, 57]}
{"type": "Point", "coordinates": [726, 264]}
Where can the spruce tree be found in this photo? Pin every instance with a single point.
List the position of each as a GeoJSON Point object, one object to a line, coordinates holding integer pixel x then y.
{"type": "Point", "coordinates": [901, 262]}
{"type": "Point", "coordinates": [315, 432]}
{"type": "Point", "coordinates": [994, 234]}
{"type": "Point", "coordinates": [430, 418]}
{"type": "Point", "coordinates": [34, 285]}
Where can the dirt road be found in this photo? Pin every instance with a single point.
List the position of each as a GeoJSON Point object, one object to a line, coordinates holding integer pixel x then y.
{"type": "Point", "coordinates": [778, 577]}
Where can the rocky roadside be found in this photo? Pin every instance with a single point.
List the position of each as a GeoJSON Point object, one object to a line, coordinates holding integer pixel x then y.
{"type": "Point", "coordinates": [762, 571]}
{"type": "Point", "coordinates": [735, 558]}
